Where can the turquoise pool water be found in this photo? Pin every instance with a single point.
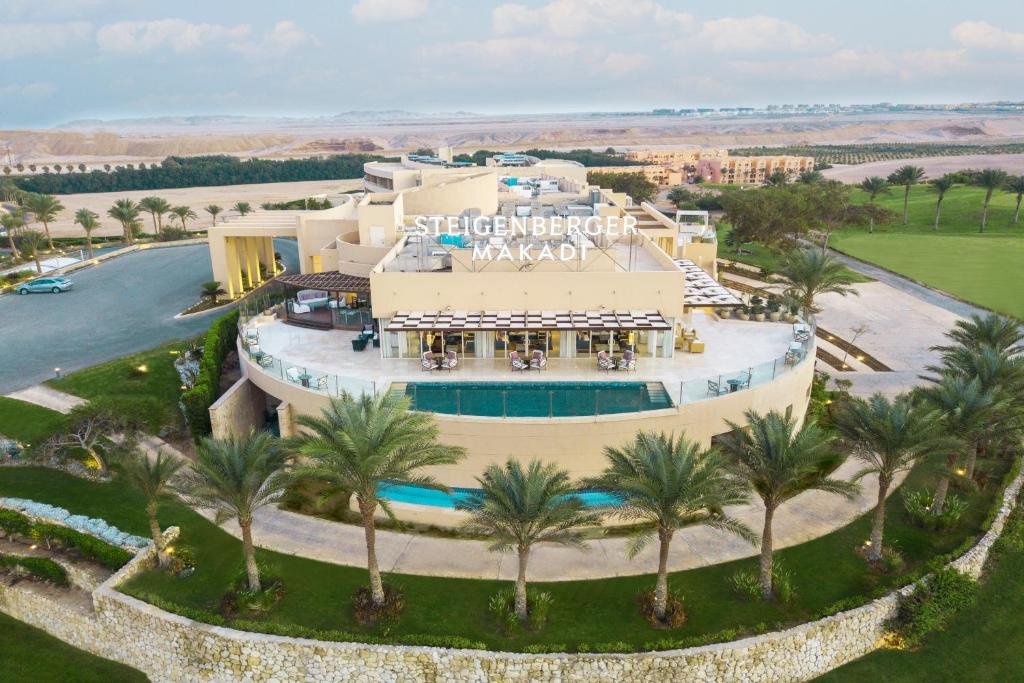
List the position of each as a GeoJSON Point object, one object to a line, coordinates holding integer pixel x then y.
{"type": "Point", "coordinates": [408, 493]}
{"type": "Point", "coordinates": [537, 399]}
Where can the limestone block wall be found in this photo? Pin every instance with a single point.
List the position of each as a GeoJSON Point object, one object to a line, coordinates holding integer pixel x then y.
{"type": "Point", "coordinates": [239, 409]}
{"type": "Point", "coordinates": [168, 647]}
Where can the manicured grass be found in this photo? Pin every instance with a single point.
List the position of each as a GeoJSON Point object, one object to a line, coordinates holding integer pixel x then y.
{"type": "Point", "coordinates": [755, 254]}
{"type": "Point", "coordinates": [28, 654]}
{"type": "Point", "coordinates": [153, 393]}
{"type": "Point", "coordinates": [980, 268]}
{"type": "Point", "coordinates": [26, 422]}
{"type": "Point", "coordinates": [318, 595]}
{"type": "Point", "coordinates": [983, 643]}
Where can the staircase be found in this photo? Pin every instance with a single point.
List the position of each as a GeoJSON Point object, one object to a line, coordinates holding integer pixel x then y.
{"type": "Point", "coordinates": [657, 395]}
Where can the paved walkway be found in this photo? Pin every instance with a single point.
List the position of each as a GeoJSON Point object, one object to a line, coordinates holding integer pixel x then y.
{"type": "Point", "coordinates": [42, 395]}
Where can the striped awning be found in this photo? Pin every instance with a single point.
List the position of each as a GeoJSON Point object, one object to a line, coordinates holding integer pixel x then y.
{"type": "Point", "coordinates": [703, 290]}
{"type": "Point", "coordinates": [526, 320]}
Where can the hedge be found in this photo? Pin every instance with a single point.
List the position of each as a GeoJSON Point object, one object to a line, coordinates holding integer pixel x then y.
{"type": "Point", "coordinates": [15, 523]}
{"type": "Point", "coordinates": [220, 339]}
{"type": "Point", "coordinates": [90, 547]}
{"type": "Point", "coordinates": [41, 568]}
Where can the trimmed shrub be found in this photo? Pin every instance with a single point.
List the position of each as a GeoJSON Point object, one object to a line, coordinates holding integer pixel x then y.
{"type": "Point", "coordinates": [90, 548]}
{"type": "Point", "coordinates": [39, 568]}
{"type": "Point", "coordinates": [14, 523]}
{"type": "Point", "coordinates": [196, 402]}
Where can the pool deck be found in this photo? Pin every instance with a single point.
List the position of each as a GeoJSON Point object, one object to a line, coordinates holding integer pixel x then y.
{"type": "Point", "coordinates": [732, 346]}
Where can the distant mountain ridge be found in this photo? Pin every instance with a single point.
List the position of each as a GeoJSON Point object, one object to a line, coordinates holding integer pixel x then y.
{"type": "Point", "coordinates": [213, 120]}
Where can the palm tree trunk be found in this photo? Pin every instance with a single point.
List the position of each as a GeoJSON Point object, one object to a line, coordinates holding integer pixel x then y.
{"type": "Point", "coordinates": [158, 538]}
{"type": "Point", "coordinates": [46, 229]}
{"type": "Point", "coordinates": [661, 585]}
{"type": "Point", "coordinates": [14, 247]}
{"type": "Point", "coordinates": [521, 605]}
{"type": "Point", "coordinates": [938, 210]}
{"type": "Point", "coordinates": [766, 554]}
{"type": "Point", "coordinates": [972, 459]}
{"type": "Point", "coordinates": [88, 244]}
{"type": "Point", "coordinates": [153, 216]}
{"type": "Point", "coordinates": [906, 204]}
{"type": "Point", "coordinates": [249, 551]}
{"type": "Point", "coordinates": [941, 489]}
{"type": "Point", "coordinates": [984, 211]}
{"type": "Point", "coordinates": [878, 521]}
{"type": "Point", "coordinates": [39, 266]}
{"type": "Point", "coordinates": [366, 510]}
{"type": "Point", "coordinates": [1016, 211]}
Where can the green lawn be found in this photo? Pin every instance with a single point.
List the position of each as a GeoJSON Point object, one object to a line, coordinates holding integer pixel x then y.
{"type": "Point", "coordinates": [26, 422]}
{"type": "Point", "coordinates": [983, 643]}
{"type": "Point", "coordinates": [755, 254]}
{"type": "Point", "coordinates": [981, 268]}
{"type": "Point", "coordinates": [153, 394]}
{"type": "Point", "coordinates": [318, 595]}
{"type": "Point", "coordinates": [28, 654]}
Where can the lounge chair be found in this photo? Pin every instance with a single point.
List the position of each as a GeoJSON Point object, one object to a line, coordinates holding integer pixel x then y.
{"type": "Point", "coordinates": [517, 362]}
{"type": "Point", "coordinates": [427, 361]}
{"type": "Point", "coordinates": [801, 332]}
{"type": "Point", "coordinates": [628, 361]}
{"type": "Point", "coordinates": [293, 374]}
{"type": "Point", "coordinates": [539, 361]}
{"type": "Point", "coordinates": [714, 388]}
{"type": "Point", "coordinates": [321, 383]}
{"type": "Point", "coordinates": [266, 360]}
{"type": "Point", "coordinates": [450, 361]}
{"type": "Point", "coordinates": [604, 361]}
{"type": "Point", "coordinates": [795, 353]}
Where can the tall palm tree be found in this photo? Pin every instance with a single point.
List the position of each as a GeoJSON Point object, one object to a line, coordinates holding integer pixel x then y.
{"type": "Point", "coordinates": [184, 214]}
{"type": "Point", "coordinates": [968, 409]}
{"type": "Point", "coordinates": [235, 477]}
{"type": "Point", "coordinates": [941, 185]}
{"type": "Point", "coordinates": [364, 444]}
{"type": "Point", "coordinates": [45, 208]}
{"type": "Point", "coordinates": [155, 478]}
{"type": "Point", "coordinates": [242, 208]}
{"type": "Point", "coordinates": [991, 179]}
{"type": "Point", "coordinates": [999, 332]}
{"type": "Point", "coordinates": [810, 177]}
{"type": "Point", "coordinates": [1016, 186]}
{"type": "Point", "coordinates": [906, 176]}
{"type": "Point", "coordinates": [889, 438]}
{"type": "Point", "coordinates": [157, 207]}
{"type": "Point", "coordinates": [89, 220]}
{"type": "Point", "coordinates": [30, 241]}
{"type": "Point", "coordinates": [780, 462]}
{"type": "Point", "coordinates": [11, 224]}
{"type": "Point", "coordinates": [214, 210]}
{"type": "Point", "coordinates": [125, 212]}
{"type": "Point", "coordinates": [808, 273]}
{"type": "Point", "coordinates": [667, 484]}
{"type": "Point", "coordinates": [776, 179]}
{"type": "Point", "coordinates": [874, 186]}
{"type": "Point", "coordinates": [519, 507]}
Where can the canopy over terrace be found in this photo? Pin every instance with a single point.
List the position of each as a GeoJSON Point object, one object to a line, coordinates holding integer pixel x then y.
{"type": "Point", "coordinates": [490, 334]}
{"type": "Point", "coordinates": [327, 299]}
{"type": "Point", "coordinates": [703, 290]}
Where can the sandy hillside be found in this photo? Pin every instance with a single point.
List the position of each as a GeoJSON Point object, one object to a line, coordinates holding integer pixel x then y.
{"type": "Point", "coordinates": [195, 197]}
{"type": "Point", "coordinates": [933, 166]}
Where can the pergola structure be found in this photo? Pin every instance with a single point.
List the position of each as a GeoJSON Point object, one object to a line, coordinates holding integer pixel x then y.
{"type": "Point", "coordinates": [703, 290]}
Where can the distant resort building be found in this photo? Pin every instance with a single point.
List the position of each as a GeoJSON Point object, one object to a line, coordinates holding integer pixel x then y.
{"type": "Point", "coordinates": [713, 166]}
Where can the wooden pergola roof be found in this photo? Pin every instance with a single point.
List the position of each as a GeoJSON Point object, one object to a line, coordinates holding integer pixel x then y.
{"type": "Point", "coordinates": [329, 281]}
{"type": "Point", "coordinates": [412, 321]}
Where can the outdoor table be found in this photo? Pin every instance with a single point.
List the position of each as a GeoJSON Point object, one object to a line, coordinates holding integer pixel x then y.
{"type": "Point", "coordinates": [304, 378]}
{"type": "Point", "coordinates": [734, 384]}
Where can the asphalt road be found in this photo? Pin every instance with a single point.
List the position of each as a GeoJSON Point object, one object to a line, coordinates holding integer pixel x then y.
{"type": "Point", "coordinates": [121, 306]}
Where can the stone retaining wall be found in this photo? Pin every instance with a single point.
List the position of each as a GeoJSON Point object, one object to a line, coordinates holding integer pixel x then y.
{"type": "Point", "coordinates": [168, 647]}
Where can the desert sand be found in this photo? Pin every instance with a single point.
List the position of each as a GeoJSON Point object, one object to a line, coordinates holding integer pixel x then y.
{"type": "Point", "coordinates": [933, 166]}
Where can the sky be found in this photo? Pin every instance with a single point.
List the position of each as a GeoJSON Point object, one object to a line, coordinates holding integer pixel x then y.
{"type": "Point", "coordinates": [62, 60]}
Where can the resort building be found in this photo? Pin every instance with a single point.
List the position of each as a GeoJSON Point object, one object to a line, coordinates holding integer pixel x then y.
{"type": "Point", "coordinates": [534, 315]}
{"type": "Point", "coordinates": [712, 166]}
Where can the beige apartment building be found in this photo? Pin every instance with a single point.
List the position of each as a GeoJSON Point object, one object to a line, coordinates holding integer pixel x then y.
{"type": "Point", "coordinates": [715, 166]}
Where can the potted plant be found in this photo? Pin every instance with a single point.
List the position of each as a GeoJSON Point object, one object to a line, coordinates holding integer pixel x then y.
{"type": "Point", "coordinates": [757, 308]}
{"type": "Point", "coordinates": [794, 310]}
{"type": "Point", "coordinates": [744, 313]}
{"type": "Point", "coordinates": [774, 308]}
{"type": "Point", "coordinates": [724, 313]}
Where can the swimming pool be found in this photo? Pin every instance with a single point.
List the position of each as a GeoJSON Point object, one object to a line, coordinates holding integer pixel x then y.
{"type": "Point", "coordinates": [537, 399]}
{"type": "Point", "coordinates": [418, 495]}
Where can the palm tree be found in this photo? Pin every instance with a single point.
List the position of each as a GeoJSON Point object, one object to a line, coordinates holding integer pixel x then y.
{"type": "Point", "coordinates": [808, 273]}
{"type": "Point", "coordinates": [968, 409]}
{"type": "Point", "coordinates": [874, 186]}
{"type": "Point", "coordinates": [810, 177]}
{"type": "Point", "coordinates": [519, 507]}
{"type": "Point", "coordinates": [777, 179]}
{"type": "Point", "coordinates": [993, 330]}
{"type": "Point", "coordinates": [157, 207]}
{"type": "Point", "coordinates": [889, 438]}
{"type": "Point", "coordinates": [125, 212]}
{"type": "Point", "coordinates": [213, 210]}
{"type": "Point", "coordinates": [991, 179]}
{"type": "Point", "coordinates": [780, 462]}
{"type": "Point", "coordinates": [362, 445]}
{"type": "Point", "coordinates": [667, 484]}
{"type": "Point", "coordinates": [12, 223]}
{"type": "Point", "coordinates": [1016, 186]}
{"type": "Point", "coordinates": [155, 478]}
{"type": "Point", "coordinates": [30, 242]}
{"type": "Point", "coordinates": [184, 213]}
{"type": "Point", "coordinates": [242, 208]}
{"type": "Point", "coordinates": [89, 220]}
{"type": "Point", "coordinates": [679, 196]}
{"type": "Point", "coordinates": [212, 290]}
{"type": "Point", "coordinates": [941, 186]}
{"type": "Point", "coordinates": [906, 176]}
{"type": "Point", "coordinates": [45, 208]}
{"type": "Point", "coordinates": [235, 477]}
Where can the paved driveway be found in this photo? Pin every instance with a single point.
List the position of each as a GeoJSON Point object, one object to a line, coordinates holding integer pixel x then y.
{"type": "Point", "coordinates": [121, 306]}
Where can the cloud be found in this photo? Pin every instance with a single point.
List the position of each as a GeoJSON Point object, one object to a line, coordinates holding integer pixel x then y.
{"type": "Point", "coordinates": [760, 33]}
{"type": "Point", "coordinates": [24, 39]}
{"type": "Point", "coordinates": [619, 64]}
{"type": "Point", "coordinates": [178, 35]}
{"type": "Point", "coordinates": [985, 36]}
{"type": "Point", "coordinates": [285, 37]}
{"type": "Point", "coordinates": [380, 11]}
{"type": "Point", "coordinates": [28, 91]}
{"type": "Point", "coordinates": [577, 18]}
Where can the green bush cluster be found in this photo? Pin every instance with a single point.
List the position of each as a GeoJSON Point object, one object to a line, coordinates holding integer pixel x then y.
{"type": "Point", "coordinates": [932, 604]}
{"type": "Point", "coordinates": [41, 568]}
{"type": "Point", "coordinates": [197, 401]}
{"type": "Point", "coordinates": [15, 523]}
{"type": "Point", "coordinates": [90, 547]}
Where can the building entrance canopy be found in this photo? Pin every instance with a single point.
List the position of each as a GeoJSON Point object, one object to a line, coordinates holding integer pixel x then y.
{"type": "Point", "coordinates": [412, 321]}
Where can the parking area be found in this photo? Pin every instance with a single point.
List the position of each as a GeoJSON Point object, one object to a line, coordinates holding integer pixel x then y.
{"type": "Point", "coordinates": [122, 306]}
